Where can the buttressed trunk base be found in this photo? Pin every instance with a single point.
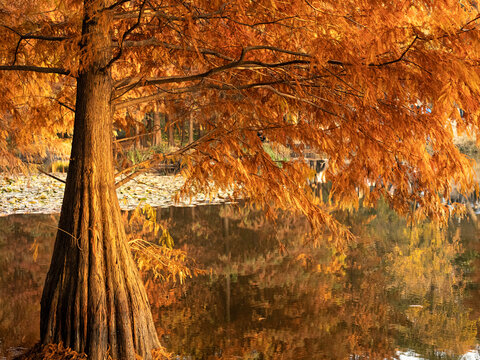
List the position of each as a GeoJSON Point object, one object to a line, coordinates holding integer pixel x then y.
{"type": "Point", "coordinates": [94, 300]}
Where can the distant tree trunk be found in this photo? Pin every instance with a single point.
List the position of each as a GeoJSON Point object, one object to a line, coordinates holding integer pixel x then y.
{"type": "Point", "coordinates": [157, 129]}
{"type": "Point", "coordinates": [94, 300]}
{"type": "Point", "coordinates": [171, 140]}
{"type": "Point", "coordinates": [199, 129]}
{"type": "Point", "coordinates": [190, 129]}
{"type": "Point", "coordinates": [138, 144]}
{"type": "Point", "coordinates": [183, 133]}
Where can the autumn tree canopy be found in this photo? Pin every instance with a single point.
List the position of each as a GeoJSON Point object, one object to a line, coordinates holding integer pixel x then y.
{"type": "Point", "coordinates": [352, 80]}
{"type": "Point", "coordinates": [375, 86]}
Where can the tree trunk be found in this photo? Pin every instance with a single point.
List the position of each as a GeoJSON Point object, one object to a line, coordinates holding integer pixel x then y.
{"type": "Point", "coordinates": [138, 144]}
{"type": "Point", "coordinates": [190, 129]}
{"type": "Point", "coordinates": [182, 133]}
{"type": "Point", "coordinates": [157, 129]}
{"type": "Point", "coordinates": [94, 300]}
{"type": "Point", "coordinates": [171, 139]}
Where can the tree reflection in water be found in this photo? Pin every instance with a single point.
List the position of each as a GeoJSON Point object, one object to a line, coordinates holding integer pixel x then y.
{"type": "Point", "coordinates": [23, 238]}
{"type": "Point", "coordinates": [271, 294]}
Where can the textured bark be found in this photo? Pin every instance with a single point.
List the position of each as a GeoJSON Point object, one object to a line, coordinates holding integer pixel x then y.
{"type": "Point", "coordinates": [94, 300]}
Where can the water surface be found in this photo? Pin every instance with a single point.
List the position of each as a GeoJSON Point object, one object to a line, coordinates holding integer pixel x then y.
{"type": "Point", "coordinates": [269, 294]}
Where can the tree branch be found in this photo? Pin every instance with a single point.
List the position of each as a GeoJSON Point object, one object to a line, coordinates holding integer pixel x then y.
{"type": "Point", "coordinates": [275, 49]}
{"type": "Point", "coordinates": [30, 36]}
{"type": "Point", "coordinates": [129, 84]}
{"type": "Point", "coordinates": [134, 14]}
{"type": "Point", "coordinates": [46, 38]}
{"type": "Point", "coordinates": [400, 57]}
{"type": "Point", "coordinates": [190, 89]}
{"type": "Point", "coordinates": [214, 15]}
{"type": "Point", "coordinates": [154, 42]}
{"type": "Point", "coordinates": [52, 176]}
{"type": "Point", "coordinates": [16, 51]}
{"type": "Point", "coordinates": [124, 36]}
{"type": "Point", "coordinates": [39, 69]}
{"type": "Point", "coordinates": [36, 37]}
{"type": "Point", "coordinates": [297, 98]}
{"type": "Point", "coordinates": [63, 104]}
{"type": "Point", "coordinates": [271, 22]}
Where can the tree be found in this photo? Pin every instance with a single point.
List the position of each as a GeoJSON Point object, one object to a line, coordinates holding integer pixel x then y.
{"type": "Point", "coordinates": [375, 85]}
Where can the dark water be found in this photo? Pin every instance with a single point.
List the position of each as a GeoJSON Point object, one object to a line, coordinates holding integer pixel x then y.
{"type": "Point", "coordinates": [269, 293]}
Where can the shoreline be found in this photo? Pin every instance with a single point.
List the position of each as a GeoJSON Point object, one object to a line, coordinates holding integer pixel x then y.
{"type": "Point", "coordinates": [41, 194]}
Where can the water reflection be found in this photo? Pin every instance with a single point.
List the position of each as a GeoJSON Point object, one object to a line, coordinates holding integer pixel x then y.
{"type": "Point", "coordinates": [23, 238]}
{"type": "Point", "coordinates": [269, 294]}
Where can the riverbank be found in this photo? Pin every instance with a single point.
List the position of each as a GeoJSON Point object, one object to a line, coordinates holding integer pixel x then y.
{"type": "Point", "coordinates": [41, 194]}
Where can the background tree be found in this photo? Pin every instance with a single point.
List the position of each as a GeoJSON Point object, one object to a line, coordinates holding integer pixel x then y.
{"type": "Point", "coordinates": [374, 85]}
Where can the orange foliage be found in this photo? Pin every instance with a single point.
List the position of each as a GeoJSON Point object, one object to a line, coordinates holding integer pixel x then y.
{"type": "Point", "coordinates": [52, 352]}
{"type": "Point", "coordinates": [59, 352]}
{"type": "Point", "coordinates": [153, 250]}
{"type": "Point", "coordinates": [374, 85]}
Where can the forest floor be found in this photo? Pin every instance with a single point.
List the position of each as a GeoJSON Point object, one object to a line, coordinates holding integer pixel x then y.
{"type": "Point", "coordinates": [42, 194]}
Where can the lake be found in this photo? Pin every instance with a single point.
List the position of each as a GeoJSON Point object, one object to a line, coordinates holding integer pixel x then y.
{"type": "Point", "coordinates": [268, 291]}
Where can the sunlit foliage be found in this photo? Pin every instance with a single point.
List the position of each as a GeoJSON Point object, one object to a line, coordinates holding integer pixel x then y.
{"type": "Point", "coordinates": [153, 250]}
{"type": "Point", "coordinates": [376, 86]}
